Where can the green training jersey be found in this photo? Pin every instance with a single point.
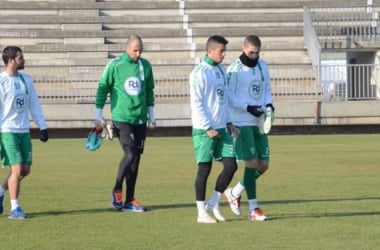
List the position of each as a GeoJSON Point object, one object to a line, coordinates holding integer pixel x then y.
{"type": "Point", "coordinates": [130, 85]}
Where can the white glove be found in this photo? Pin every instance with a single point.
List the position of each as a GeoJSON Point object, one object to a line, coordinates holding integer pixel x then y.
{"type": "Point", "coordinates": [152, 119]}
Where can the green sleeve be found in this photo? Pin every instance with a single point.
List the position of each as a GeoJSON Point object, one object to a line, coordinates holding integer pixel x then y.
{"type": "Point", "coordinates": [105, 85]}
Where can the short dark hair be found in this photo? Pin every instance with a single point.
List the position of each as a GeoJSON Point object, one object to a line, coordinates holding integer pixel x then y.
{"type": "Point", "coordinates": [253, 40]}
{"type": "Point", "coordinates": [216, 39]}
{"type": "Point", "coordinates": [10, 52]}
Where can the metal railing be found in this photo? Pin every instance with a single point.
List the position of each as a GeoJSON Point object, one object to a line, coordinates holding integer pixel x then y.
{"type": "Point", "coordinates": [289, 83]}
{"type": "Point", "coordinates": [344, 27]}
{"type": "Point", "coordinates": [350, 82]}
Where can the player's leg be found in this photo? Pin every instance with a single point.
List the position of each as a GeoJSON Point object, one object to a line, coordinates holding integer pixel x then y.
{"type": "Point", "coordinates": [3, 189]}
{"type": "Point", "coordinates": [200, 184]}
{"type": "Point", "coordinates": [245, 150]}
{"type": "Point", "coordinates": [226, 150]}
{"type": "Point", "coordinates": [223, 180]}
{"type": "Point", "coordinates": [136, 149]}
{"type": "Point", "coordinates": [122, 131]}
{"type": "Point", "coordinates": [203, 145]}
{"type": "Point", "coordinates": [14, 191]}
{"type": "Point", "coordinates": [262, 149]}
{"type": "Point", "coordinates": [18, 155]}
{"type": "Point", "coordinates": [262, 144]}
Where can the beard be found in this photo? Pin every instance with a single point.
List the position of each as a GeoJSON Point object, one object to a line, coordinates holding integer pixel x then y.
{"type": "Point", "coordinates": [20, 67]}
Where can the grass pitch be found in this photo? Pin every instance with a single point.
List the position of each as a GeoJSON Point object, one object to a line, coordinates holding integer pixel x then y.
{"type": "Point", "coordinates": [321, 192]}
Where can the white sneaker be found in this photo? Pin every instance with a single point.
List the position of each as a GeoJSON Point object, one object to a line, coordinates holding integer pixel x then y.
{"type": "Point", "coordinates": [217, 214]}
{"type": "Point", "coordinates": [234, 202]}
{"type": "Point", "coordinates": [257, 215]}
{"type": "Point", "coordinates": [205, 218]}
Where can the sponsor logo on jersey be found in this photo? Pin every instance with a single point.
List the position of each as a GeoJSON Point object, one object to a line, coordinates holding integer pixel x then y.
{"type": "Point", "coordinates": [220, 93]}
{"type": "Point", "coordinates": [132, 86]}
{"type": "Point", "coordinates": [255, 89]}
{"type": "Point", "coordinates": [19, 103]}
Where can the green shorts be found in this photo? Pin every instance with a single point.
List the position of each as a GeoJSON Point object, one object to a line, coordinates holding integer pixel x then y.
{"type": "Point", "coordinates": [16, 148]}
{"type": "Point", "coordinates": [251, 144]}
{"type": "Point", "coordinates": [207, 148]}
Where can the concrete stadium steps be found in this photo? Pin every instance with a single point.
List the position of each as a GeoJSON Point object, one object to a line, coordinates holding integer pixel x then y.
{"type": "Point", "coordinates": [272, 21]}
{"type": "Point", "coordinates": [88, 22]}
{"type": "Point", "coordinates": [268, 4]}
{"type": "Point", "coordinates": [82, 19]}
{"type": "Point", "coordinates": [88, 5]}
{"type": "Point", "coordinates": [267, 19]}
{"type": "Point", "coordinates": [103, 34]}
{"type": "Point", "coordinates": [196, 20]}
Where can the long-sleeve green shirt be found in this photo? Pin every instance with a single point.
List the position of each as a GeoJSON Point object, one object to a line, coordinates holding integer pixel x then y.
{"type": "Point", "coordinates": [130, 85]}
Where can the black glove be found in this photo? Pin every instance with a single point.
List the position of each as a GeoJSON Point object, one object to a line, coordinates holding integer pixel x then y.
{"type": "Point", "coordinates": [271, 106]}
{"type": "Point", "coordinates": [44, 136]}
{"type": "Point", "coordinates": [255, 110]}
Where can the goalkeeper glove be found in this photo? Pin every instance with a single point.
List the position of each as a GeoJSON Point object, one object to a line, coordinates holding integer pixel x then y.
{"type": "Point", "coordinates": [44, 136]}
{"type": "Point", "coordinates": [94, 139]}
{"type": "Point", "coordinates": [255, 110]}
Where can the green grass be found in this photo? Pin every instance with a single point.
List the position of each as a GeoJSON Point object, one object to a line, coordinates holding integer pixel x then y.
{"type": "Point", "coordinates": [321, 192]}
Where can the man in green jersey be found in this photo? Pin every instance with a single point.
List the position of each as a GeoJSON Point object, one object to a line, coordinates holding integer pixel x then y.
{"type": "Point", "coordinates": [18, 99]}
{"type": "Point", "coordinates": [129, 81]}
{"type": "Point", "coordinates": [211, 126]}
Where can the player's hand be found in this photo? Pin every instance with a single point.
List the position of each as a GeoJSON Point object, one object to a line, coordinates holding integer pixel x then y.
{"type": "Point", "coordinates": [152, 125]}
{"type": "Point", "coordinates": [98, 124]}
{"type": "Point", "coordinates": [270, 105]}
{"type": "Point", "coordinates": [212, 133]}
{"type": "Point", "coordinates": [255, 110]}
{"type": "Point", "coordinates": [152, 119]}
{"type": "Point", "coordinates": [234, 130]}
{"type": "Point", "coordinates": [44, 136]}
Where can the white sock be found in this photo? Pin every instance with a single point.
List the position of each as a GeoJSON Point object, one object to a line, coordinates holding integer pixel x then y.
{"type": "Point", "coordinates": [253, 204]}
{"type": "Point", "coordinates": [201, 208]}
{"type": "Point", "coordinates": [237, 190]}
{"type": "Point", "coordinates": [215, 197]}
{"type": "Point", "coordinates": [2, 191]}
{"type": "Point", "coordinates": [14, 204]}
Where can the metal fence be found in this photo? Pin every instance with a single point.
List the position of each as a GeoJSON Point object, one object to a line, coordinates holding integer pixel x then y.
{"type": "Point", "coordinates": [350, 82]}
{"type": "Point", "coordinates": [296, 82]}
{"type": "Point", "coordinates": [289, 83]}
{"type": "Point", "coordinates": [345, 27]}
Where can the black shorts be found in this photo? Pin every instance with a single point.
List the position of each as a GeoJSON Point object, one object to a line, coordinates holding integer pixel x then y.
{"type": "Point", "coordinates": [130, 135]}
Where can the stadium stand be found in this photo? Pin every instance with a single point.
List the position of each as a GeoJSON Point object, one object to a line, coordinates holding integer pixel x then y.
{"type": "Point", "coordinates": [67, 44]}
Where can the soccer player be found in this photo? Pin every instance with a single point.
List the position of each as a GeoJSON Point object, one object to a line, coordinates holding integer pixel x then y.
{"type": "Point", "coordinates": [210, 120]}
{"type": "Point", "coordinates": [251, 102]}
{"type": "Point", "coordinates": [129, 81]}
{"type": "Point", "coordinates": [18, 99]}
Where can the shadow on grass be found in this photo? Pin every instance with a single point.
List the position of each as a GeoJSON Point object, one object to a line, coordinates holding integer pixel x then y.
{"type": "Point", "coordinates": [322, 215]}
{"type": "Point", "coordinates": [280, 202]}
{"type": "Point", "coordinates": [105, 210]}
{"type": "Point", "coordinates": [70, 212]}
{"type": "Point", "coordinates": [192, 205]}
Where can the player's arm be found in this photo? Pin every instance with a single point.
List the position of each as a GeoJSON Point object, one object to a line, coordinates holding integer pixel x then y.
{"type": "Point", "coordinates": [35, 110]}
{"type": "Point", "coordinates": [150, 96]}
{"type": "Point", "coordinates": [234, 100]}
{"type": "Point", "coordinates": [105, 85]}
{"type": "Point", "coordinates": [197, 90]}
